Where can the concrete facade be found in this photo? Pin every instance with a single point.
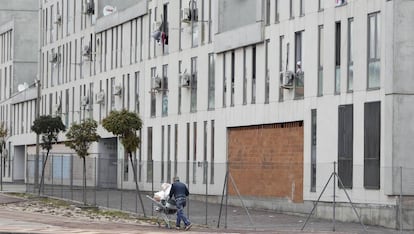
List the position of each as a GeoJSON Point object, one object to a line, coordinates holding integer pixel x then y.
{"type": "Point", "coordinates": [355, 74]}
{"type": "Point", "coordinates": [18, 70]}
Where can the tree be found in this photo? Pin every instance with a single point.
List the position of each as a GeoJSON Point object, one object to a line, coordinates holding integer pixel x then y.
{"type": "Point", "coordinates": [3, 135]}
{"type": "Point", "coordinates": [125, 125]}
{"type": "Point", "coordinates": [49, 127]}
{"type": "Point", "coordinates": [80, 137]}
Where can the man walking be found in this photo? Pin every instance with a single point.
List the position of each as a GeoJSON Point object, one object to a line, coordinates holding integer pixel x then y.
{"type": "Point", "coordinates": [180, 192]}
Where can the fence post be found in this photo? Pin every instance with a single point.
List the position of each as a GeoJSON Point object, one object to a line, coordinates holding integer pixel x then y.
{"type": "Point", "coordinates": [206, 175]}
{"type": "Point", "coordinates": [122, 180]}
{"type": "Point", "coordinates": [334, 194]}
{"type": "Point", "coordinates": [95, 182]}
{"type": "Point", "coordinates": [71, 176]}
{"type": "Point", "coordinates": [61, 176]}
{"type": "Point", "coordinates": [400, 206]}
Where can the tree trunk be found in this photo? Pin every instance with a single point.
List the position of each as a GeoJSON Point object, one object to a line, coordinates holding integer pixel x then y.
{"type": "Point", "coordinates": [84, 180]}
{"type": "Point", "coordinates": [137, 191]}
{"type": "Point", "coordinates": [42, 179]}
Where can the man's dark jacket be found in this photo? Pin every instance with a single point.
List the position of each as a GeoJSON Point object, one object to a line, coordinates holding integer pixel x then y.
{"type": "Point", "coordinates": [179, 190]}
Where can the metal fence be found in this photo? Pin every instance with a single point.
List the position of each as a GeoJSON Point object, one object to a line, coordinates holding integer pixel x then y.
{"type": "Point", "coordinates": [248, 195]}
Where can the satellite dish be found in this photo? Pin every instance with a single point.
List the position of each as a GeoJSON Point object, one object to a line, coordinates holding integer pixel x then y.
{"type": "Point", "coordinates": [107, 10]}
{"type": "Point", "coordinates": [22, 87]}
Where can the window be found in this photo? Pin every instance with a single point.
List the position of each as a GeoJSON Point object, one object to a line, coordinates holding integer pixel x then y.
{"type": "Point", "coordinates": [291, 9]}
{"type": "Point", "coordinates": [210, 23]}
{"type": "Point", "coordinates": [350, 83]}
{"type": "Point", "coordinates": [180, 13]}
{"type": "Point", "coordinates": [244, 78]}
{"type": "Point", "coordinates": [116, 42]}
{"type": "Point", "coordinates": [165, 29]}
{"type": "Point", "coordinates": [281, 76]}
{"type": "Point", "coordinates": [162, 152]}
{"type": "Point", "coordinates": [313, 150]}
{"type": "Point", "coordinates": [372, 144]}
{"type": "Point", "coordinates": [345, 144]}
{"type": "Point", "coordinates": [112, 106]}
{"type": "Point", "coordinates": [232, 77]}
{"type": "Point", "coordinates": [299, 85]}
{"type": "Point", "coordinates": [194, 25]}
{"type": "Point", "coordinates": [212, 153]}
{"type": "Point", "coordinates": [267, 15]}
{"type": "Point", "coordinates": [128, 87]}
{"type": "Point", "coordinates": [320, 5]}
{"type": "Point", "coordinates": [136, 92]}
{"type": "Point", "coordinates": [301, 8]}
{"type": "Point", "coordinates": [105, 48]}
{"type": "Point", "coordinates": [224, 80]}
{"type": "Point", "coordinates": [141, 40]}
{"type": "Point", "coordinates": [373, 51]}
{"type": "Point", "coordinates": [320, 60]}
{"type": "Point", "coordinates": [179, 88]}
{"type": "Point", "coordinates": [193, 107]}
{"type": "Point", "coordinates": [100, 104]}
{"type": "Point", "coordinates": [91, 95]}
{"type": "Point", "coordinates": [112, 31]}
{"type": "Point", "coordinates": [205, 153]}
{"type": "Point", "coordinates": [254, 75]}
{"type": "Point", "coordinates": [194, 152]}
{"type": "Point", "coordinates": [164, 90]}
{"type": "Point", "coordinates": [211, 81]}
{"type": "Point", "coordinates": [121, 43]}
{"type": "Point", "coordinates": [187, 172]}
{"type": "Point", "coordinates": [337, 57]}
{"type": "Point", "coordinates": [169, 153]}
{"type": "Point", "coordinates": [267, 75]}
{"type": "Point", "coordinates": [276, 11]}
{"type": "Point", "coordinates": [131, 40]}
{"type": "Point", "coordinates": [149, 33]}
{"type": "Point", "coordinates": [153, 97]}
{"type": "Point", "coordinates": [175, 149]}
{"type": "Point", "coordinates": [150, 163]}
{"type": "Point", "coordinates": [203, 8]}
{"type": "Point", "coordinates": [52, 68]}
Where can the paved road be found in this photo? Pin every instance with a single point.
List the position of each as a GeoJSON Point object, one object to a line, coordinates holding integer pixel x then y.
{"type": "Point", "coordinates": [12, 221]}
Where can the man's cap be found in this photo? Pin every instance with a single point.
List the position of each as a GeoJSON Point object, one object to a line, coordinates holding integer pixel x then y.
{"type": "Point", "coordinates": [176, 178]}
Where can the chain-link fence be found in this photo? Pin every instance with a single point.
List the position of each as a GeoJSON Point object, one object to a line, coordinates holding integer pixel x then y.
{"type": "Point", "coordinates": [248, 195]}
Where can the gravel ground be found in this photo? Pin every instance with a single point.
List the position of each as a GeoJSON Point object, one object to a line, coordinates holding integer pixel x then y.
{"type": "Point", "coordinates": [68, 209]}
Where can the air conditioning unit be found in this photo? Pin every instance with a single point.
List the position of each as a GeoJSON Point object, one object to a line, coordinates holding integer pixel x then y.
{"type": "Point", "coordinates": [85, 101]}
{"type": "Point", "coordinates": [189, 15]}
{"type": "Point", "coordinates": [54, 58]}
{"type": "Point", "coordinates": [156, 83]}
{"type": "Point", "coordinates": [185, 80]}
{"type": "Point", "coordinates": [288, 78]}
{"type": "Point", "coordinates": [186, 15]}
{"type": "Point", "coordinates": [89, 8]}
{"type": "Point", "coordinates": [118, 90]}
{"type": "Point", "coordinates": [87, 52]}
{"type": "Point", "coordinates": [58, 19]}
{"type": "Point", "coordinates": [100, 97]}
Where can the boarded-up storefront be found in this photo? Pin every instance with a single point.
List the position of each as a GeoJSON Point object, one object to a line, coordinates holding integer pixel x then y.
{"type": "Point", "coordinates": [267, 160]}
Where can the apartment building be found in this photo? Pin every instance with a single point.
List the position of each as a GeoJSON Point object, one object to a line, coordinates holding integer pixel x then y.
{"type": "Point", "coordinates": [280, 93]}
{"type": "Point", "coordinates": [18, 69]}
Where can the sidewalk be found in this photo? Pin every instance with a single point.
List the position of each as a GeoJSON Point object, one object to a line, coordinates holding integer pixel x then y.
{"type": "Point", "coordinates": [237, 220]}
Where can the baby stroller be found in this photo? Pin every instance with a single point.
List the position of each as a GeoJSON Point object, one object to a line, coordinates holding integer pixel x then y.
{"type": "Point", "coordinates": [164, 209]}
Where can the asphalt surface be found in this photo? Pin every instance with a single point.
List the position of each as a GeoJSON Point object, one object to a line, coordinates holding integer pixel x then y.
{"type": "Point", "coordinates": [12, 221]}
